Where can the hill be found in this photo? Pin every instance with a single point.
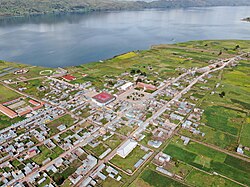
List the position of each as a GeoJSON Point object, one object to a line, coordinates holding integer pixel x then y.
{"type": "Point", "coordinates": [33, 7]}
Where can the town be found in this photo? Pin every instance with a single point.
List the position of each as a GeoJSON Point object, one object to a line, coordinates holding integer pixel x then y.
{"type": "Point", "coordinates": [67, 132]}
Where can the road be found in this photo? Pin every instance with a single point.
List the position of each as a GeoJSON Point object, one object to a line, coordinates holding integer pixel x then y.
{"type": "Point", "coordinates": [160, 111]}
{"type": "Point", "coordinates": [141, 127]}
{"type": "Point", "coordinates": [61, 156]}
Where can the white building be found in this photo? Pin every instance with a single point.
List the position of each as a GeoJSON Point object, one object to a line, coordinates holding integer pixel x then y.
{"type": "Point", "coordinates": [126, 86]}
{"type": "Point", "coordinates": [126, 148]}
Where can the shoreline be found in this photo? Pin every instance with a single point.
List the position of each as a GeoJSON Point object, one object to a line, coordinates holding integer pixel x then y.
{"type": "Point", "coordinates": [124, 53]}
{"type": "Point", "coordinates": [86, 11]}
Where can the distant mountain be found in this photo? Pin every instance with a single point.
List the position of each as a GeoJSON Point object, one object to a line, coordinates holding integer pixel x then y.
{"type": "Point", "coordinates": [31, 7]}
{"type": "Point", "coordinates": [197, 3]}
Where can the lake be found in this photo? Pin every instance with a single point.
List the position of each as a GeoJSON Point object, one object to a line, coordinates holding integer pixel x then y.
{"type": "Point", "coordinates": [73, 39]}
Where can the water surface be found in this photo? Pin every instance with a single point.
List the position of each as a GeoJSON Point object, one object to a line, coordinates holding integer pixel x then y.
{"type": "Point", "coordinates": [73, 39]}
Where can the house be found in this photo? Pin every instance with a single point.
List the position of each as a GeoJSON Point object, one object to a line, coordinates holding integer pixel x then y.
{"type": "Point", "coordinates": [103, 98]}
{"type": "Point", "coordinates": [35, 103]}
{"type": "Point", "coordinates": [146, 86]}
{"type": "Point", "coordinates": [126, 86]}
{"type": "Point", "coordinates": [8, 112]}
{"type": "Point", "coordinates": [155, 144]}
{"type": "Point", "coordinates": [126, 148]}
{"type": "Point", "coordinates": [69, 78]}
{"type": "Point", "coordinates": [240, 150]}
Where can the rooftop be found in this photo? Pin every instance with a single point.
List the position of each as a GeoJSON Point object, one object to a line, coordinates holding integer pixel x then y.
{"type": "Point", "coordinates": [69, 77]}
{"type": "Point", "coordinates": [103, 97]}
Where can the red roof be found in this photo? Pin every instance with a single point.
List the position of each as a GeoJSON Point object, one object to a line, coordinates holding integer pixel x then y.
{"type": "Point", "coordinates": [69, 77]}
{"type": "Point", "coordinates": [8, 112]}
{"type": "Point", "coordinates": [24, 112]}
{"type": "Point", "coordinates": [103, 97]}
{"type": "Point", "coordinates": [34, 102]}
{"type": "Point", "coordinates": [146, 86]}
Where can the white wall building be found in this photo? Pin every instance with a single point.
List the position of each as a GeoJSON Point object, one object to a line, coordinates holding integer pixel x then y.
{"type": "Point", "coordinates": [126, 86]}
{"type": "Point", "coordinates": [126, 148]}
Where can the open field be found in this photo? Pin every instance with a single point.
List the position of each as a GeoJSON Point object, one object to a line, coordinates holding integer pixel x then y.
{"type": "Point", "coordinates": [98, 150]}
{"type": "Point", "coordinates": [152, 178]}
{"type": "Point", "coordinates": [43, 155]}
{"type": "Point", "coordinates": [201, 179]}
{"type": "Point", "coordinates": [210, 160]}
{"type": "Point", "coordinates": [215, 137]}
{"type": "Point", "coordinates": [245, 138]}
{"type": "Point", "coordinates": [111, 182]}
{"type": "Point", "coordinates": [162, 58]}
{"type": "Point", "coordinates": [6, 121]}
{"type": "Point", "coordinates": [66, 120]}
{"type": "Point", "coordinates": [7, 94]}
{"type": "Point", "coordinates": [225, 118]}
{"type": "Point", "coordinates": [113, 141]}
{"type": "Point", "coordinates": [32, 87]}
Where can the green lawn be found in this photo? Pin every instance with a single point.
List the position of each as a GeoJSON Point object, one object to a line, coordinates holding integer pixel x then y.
{"type": "Point", "coordinates": [43, 155]}
{"type": "Point", "coordinates": [109, 182]}
{"type": "Point", "coordinates": [98, 150]}
{"type": "Point", "coordinates": [5, 121]}
{"type": "Point", "coordinates": [125, 130]}
{"type": "Point", "coordinates": [129, 162]}
{"type": "Point", "coordinates": [114, 141]}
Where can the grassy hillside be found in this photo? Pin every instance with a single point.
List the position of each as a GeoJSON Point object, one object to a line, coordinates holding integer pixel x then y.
{"type": "Point", "coordinates": [32, 7]}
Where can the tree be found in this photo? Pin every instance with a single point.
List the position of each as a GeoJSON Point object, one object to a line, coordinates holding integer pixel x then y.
{"type": "Point", "coordinates": [132, 72]}
{"type": "Point", "coordinates": [222, 94]}
{"type": "Point", "coordinates": [220, 53]}
{"type": "Point", "coordinates": [138, 71]}
{"type": "Point", "coordinates": [237, 47]}
{"type": "Point", "coordinates": [138, 80]}
{"type": "Point", "coordinates": [58, 178]}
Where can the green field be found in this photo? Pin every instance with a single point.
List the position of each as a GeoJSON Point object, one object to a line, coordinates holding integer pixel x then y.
{"type": "Point", "coordinates": [215, 137]}
{"type": "Point", "coordinates": [43, 155]}
{"type": "Point", "coordinates": [245, 138]}
{"type": "Point", "coordinates": [226, 119]}
{"type": "Point", "coordinates": [114, 141]}
{"type": "Point", "coordinates": [7, 94]}
{"type": "Point", "coordinates": [223, 119]}
{"type": "Point", "coordinates": [59, 178]}
{"type": "Point", "coordinates": [32, 87]}
{"type": "Point", "coordinates": [98, 150]}
{"type": "Point", "coordinates": [129, 162]}
{"type": "Point", "coordinates": [201, 179]}
{"type": "Point", "coordinates": [66, 120]}
{"type": "Point", "coordinates": [210, 160]}
{"type": "Point", "coordinates": [109, 182]}
{"type": "Point", "coordinates": [153, 178]}
{"type": "Point", "coordinates": [5, 121]}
